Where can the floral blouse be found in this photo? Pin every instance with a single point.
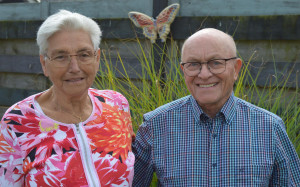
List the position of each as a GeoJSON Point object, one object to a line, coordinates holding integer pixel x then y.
{"type": "Point", "coordinates": [36, 150]}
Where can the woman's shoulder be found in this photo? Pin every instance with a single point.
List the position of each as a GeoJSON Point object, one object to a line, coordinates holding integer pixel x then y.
{"type": "Point", "coordinates": [110, 97]}
{"type": "Point", "coordinates": [24, 106]}
{"type": "Point", "coordinates": [106, 94]}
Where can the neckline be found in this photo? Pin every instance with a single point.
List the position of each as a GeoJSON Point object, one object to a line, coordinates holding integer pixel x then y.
{"type": "Point", "coordinates": [39, 109]}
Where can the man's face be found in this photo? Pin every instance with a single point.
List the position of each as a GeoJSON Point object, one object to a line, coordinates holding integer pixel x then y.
{"type": "Point", "coordinates": [210, 90]}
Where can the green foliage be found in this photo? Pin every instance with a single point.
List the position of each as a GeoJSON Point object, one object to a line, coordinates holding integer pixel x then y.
{"type": "Point", "coordinates": [275, 97]}
{"type": "Point", "coordinates": [152, 89]}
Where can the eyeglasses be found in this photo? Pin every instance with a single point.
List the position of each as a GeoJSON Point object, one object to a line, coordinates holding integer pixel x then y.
{"type": "Point", "coordinates": [63, 60]}
{"type": "Point", "coordinates": [215, 66]}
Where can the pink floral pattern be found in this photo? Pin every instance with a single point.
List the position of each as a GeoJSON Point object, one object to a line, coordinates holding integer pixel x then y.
{"type": "Point", "coordinates": [38, 151]}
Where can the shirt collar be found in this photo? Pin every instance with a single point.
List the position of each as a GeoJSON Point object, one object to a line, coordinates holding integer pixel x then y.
{"type": "Point", "coordinates": [196, 109]}
{"type": "Point", "coordinates": [228, 110]}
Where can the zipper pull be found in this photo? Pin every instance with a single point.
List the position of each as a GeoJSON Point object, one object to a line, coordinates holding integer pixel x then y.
{"type": "Point", "coordinates": [77, 128]}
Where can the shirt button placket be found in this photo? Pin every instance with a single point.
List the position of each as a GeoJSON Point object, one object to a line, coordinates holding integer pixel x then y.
{"type": "Point", "coordinates": [214, 149]}
{"type": "Point", "coordinates": [214, 135]}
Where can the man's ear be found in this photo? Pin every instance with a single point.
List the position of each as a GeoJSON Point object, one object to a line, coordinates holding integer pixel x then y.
{"type": "Point", "coordinates": [98, 54]}
{"type": "Point", "coordinates": [43, 63]}
{"type": "Point", "coordinates": [237, 67]}
{"type": "Point", "coordinates": [181, 66]}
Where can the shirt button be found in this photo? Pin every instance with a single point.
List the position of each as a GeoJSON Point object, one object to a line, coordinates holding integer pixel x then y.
{"type": "Point", "coordinates": [214, 135]}
{"type": "Point", "coordinates": [214, 165]}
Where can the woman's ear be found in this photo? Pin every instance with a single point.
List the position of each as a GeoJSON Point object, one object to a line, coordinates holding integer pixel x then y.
{"type": "Point", "coordinates": [43, 63]}
{"type": "Point", "coordinates": [98, 53]}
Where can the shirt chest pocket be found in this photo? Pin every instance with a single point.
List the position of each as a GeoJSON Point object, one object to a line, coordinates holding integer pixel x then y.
{"type": "Point", "coordinates": [253, 175]}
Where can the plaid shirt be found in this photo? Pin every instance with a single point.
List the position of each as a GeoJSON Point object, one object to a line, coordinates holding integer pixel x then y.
{"type": "Point", "coordinates": [242, 146]}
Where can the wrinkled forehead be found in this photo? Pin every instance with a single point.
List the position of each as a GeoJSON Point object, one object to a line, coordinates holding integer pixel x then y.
{"type": "Point", "coordinates": [214, 41]}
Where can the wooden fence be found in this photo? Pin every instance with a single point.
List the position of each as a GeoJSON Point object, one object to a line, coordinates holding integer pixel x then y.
{"type": "Point", "coordinates": [270, 27]}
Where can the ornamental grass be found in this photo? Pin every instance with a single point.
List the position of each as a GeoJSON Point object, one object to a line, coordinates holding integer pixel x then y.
{"type": "Point", "coordinates": [156, 85]}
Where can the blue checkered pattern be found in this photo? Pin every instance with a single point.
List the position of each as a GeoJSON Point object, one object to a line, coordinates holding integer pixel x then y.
{"type": "Point", "coordinates": [242, 146]}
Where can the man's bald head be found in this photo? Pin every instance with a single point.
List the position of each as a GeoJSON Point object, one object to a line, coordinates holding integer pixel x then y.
{"type": "Point", "coordinates": [219, 37]}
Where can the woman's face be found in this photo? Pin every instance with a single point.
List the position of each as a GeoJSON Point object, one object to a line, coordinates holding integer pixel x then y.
{"type": "Point", "coordinates": [75, 78]}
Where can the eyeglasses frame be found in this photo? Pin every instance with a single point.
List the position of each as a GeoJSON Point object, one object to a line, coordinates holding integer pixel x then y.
{"type": "Point", "coordinates": [225, 59]}
{"type": "Point", "coordinates": [69, 57]}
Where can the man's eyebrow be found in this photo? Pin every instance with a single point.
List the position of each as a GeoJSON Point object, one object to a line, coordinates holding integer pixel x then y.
{"type": "Point", "coordinates": [60, 51]}
{"type": "Point", "coordinates": [192, 59]}
{"type": "Point", "coordinates": [84, 49]}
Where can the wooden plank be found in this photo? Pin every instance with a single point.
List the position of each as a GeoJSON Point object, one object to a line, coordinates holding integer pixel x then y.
{"type": "Point", "coordinates": [120, 8]}
{"type": "Point", "coordinates": [244, 28]}
{"type": "Point", "coordinates": [20, 11]}
{"type": "Point", "coordinates": [20, 64]}
{"type": "Point", "coordinates": [265, 75]}
{"type": "Point", "coordinates": [119, 29]}
{"type": "Point", "coordinates": [2, 111]}
{"type": "Point", "coordinates": [197, 8]}
{"type": "Point", "coordinates": [132, 66]}
{"type": "Point", "coordinates": [24, 81]}
{"type": "Point", "coordinates": [94, 9]}
{"type": "Point", "coordinates": [19, 29]}
{"type": "Point", "coordinates": [44, 10]}
{"type": "Point", "coordinates": [158, 49]}
{"type": "Point", "coordinates": [158, 6]}
{"type": "Point", "coordinates": [274, 74]}
{"type": "Point", "coordinates": [9, 96]}
{"type": "Point", "coordinates": [31, 65]}
{"type": "Point", "coordinates": [105, 9]}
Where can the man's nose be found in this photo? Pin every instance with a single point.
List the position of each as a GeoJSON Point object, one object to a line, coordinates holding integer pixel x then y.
{"type": "Point", "coordinates": [204, 71]}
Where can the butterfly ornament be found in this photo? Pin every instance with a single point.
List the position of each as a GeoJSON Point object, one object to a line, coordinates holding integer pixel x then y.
{"type": "Point", "coordinates": [161, 25]}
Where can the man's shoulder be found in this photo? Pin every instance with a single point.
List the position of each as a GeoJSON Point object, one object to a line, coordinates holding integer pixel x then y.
{"type": "Point", "coordinates": [246, 106]}
{"type": "Point", "coordinates": [171, 106]}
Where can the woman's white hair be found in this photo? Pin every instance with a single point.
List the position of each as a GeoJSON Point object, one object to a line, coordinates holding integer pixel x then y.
{"type": "Point", "coordinates": [64, 20]}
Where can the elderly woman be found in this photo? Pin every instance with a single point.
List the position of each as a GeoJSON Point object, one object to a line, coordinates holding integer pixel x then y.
{"type": "Point", "coordinates": [70, 134]}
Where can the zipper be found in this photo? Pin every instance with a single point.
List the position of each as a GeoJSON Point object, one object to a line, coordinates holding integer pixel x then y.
{"type": "Point", "coordinates": [86, 157]}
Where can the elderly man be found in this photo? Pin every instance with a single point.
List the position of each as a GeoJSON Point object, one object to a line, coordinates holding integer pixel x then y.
{"type": "Point", "coordinates": [211, 137]}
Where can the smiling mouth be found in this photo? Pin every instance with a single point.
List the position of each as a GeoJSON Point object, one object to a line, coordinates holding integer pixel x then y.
{"type": "Point", "coordinates": [206, 85]}
{"type": "Point", "coordinates": [74, 80]}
